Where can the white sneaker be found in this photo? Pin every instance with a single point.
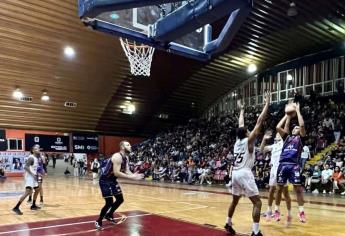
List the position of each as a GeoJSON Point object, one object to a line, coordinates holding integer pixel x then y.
{"type": "Point", "coordinates": [316, 191]}
{"type": "Point", "coordinates": [324, 192]}
{"type": "Point", "coordinates": [343, 193]}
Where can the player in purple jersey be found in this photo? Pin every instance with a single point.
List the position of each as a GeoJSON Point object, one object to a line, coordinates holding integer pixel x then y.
{"type": "Point", "coordinates": [289, 169]}
{"type": "Point", "coordinates": [115, 167]}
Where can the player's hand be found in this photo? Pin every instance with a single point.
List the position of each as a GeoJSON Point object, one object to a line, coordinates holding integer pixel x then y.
{"type": "Point", "coordinates": [240, 104]}
{"type": "Point", "coordinates": [267, 97]}
{"type": "Point", "coordinates": [298, 107]}
{"type": "Point", "coordinates": [137, 176]}
{"type": "Point", "coordinates": [268, 135]}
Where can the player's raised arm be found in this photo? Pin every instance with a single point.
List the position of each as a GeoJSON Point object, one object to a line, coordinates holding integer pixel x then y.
{"type": "Point", "coordinates": [117, 161]}
{"type": "Point", "coordinates": [300, 120]}
{"type": "Point", "coordinates": [241, 117]}
{"type": "Point", "coordinates": [255, 132]}
{"type": "Point", "coordinates": [285, 121]}
{"type": "Point", "coordinates": [263, 147]}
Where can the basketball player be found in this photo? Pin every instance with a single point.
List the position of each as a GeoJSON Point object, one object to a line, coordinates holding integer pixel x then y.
{"type": "Point", "coordinates": [289, 168]}
{"type": "Point", "coordinates": [31, 183]}
{"type": "Point", "coordinates": [40, 173]}
{"type": "Point", "coordinates": [115, 167]}
{"type": "Point", "coordinates": [275, 151]}
{"type": "Point", "coordinates": [242, 176]}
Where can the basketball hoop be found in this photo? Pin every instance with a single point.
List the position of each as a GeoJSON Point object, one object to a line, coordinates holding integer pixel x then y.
{"type": "Point", "coordinates": [139, 57]}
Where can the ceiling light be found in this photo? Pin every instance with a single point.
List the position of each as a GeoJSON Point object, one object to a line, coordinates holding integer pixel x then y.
{"type": "Point", "coordinates": [289, 77]}
{"type": "Point", "coordinates": [292, 11]}
{"type": "Point", "coordinates": [129, 98]}
{"type": "Point", "coordinates": [69, 52]}
{"type": "Point", "coordinates": [252, 68]}
{"type": "Point", "coordinates": [131, 108]}
{"type": "Point", "coordinates": [17, 94]}
{"type": "Point", "coordinates": [45, 97]}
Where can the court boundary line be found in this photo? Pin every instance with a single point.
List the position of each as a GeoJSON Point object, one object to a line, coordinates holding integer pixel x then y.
{"type": "Point", "coordinates": [92, 221]}
{"type": "Point", "coordinates": [312, 202]}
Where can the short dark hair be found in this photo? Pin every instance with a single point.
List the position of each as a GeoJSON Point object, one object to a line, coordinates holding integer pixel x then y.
{"type": "Point", "coordinates": [32, 148]}
{"type": "Point", "coordinates": [241, 132]}
{"type": "Point", "coordinates": [123, 142]}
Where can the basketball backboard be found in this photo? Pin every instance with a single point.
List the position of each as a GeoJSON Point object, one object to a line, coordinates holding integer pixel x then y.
{"type": "Point", "coordinates": [141, 19]}
{"type": "Point", "coordinates": [176, 26]}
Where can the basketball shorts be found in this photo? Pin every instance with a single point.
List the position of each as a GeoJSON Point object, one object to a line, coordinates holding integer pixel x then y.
{"type": "Point", "coordinates": [243, 183]}
{"type": "Point", "coordinates": [289, 172]}
{"type": "Point", "coordinates": [31, 182]}
{"type": "Point", "coordinates": [273, 176]}
{"type": "Point", "coordinates": [109, 188]}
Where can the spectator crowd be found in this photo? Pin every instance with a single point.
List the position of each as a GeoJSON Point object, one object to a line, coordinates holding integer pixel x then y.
{"type": "Point", "coordinates": [200, 152]}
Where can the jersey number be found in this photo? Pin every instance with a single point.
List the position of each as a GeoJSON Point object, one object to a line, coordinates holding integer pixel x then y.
{"type": "Point", "coordinates": [239, 158]}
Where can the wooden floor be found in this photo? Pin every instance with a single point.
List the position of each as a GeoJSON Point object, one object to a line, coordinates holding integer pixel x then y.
{"type": "Point", "coordinates": [67, 197]}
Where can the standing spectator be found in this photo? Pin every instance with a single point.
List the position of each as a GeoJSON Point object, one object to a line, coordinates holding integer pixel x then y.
{"type": "Point", "coordinates": [337, 130]}
{"type": "Point", "coordinates": [85, 166]}
{"type": "Point", "coordinates": [95, 168]}
{"type": "Point", "coordinates": [326, 180]}
{"type": "Point", "coordinates": [305, 155]}
{"type": "Point", "coordinates": [54, 160]}
{"type": "Point", "coordinates": [75, 168]}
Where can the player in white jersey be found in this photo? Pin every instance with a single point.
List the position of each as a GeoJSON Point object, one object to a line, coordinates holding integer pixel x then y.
{"type": "Point", "coordinates": [243, 181]}
{"type": "Point", "coordinates": [30, 178]}
{"type": "Point", "coordinates": [275, 151]}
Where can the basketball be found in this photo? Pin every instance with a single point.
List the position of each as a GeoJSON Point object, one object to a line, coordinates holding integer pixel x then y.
{"type": "Point", "coordinates": [290, 109]}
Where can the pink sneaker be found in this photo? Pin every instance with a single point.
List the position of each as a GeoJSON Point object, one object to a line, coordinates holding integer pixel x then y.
{"type": "Point", "coordinates": [302, 217]}
{"type": "Point", "coordinates": [277, 216]}
{"type": "Point", "coordinates": [288, 221]}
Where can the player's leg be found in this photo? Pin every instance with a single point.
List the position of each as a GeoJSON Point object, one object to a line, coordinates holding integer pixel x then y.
{"type": "Point", "coordinates": [252, 192]}
{"type": "Point", "coordinates": [41, 193]}
{"type": "Point", "coordinates": [231, 211]}
{"type": "Point", "coordinates": [256, 214]}
{"type": "Point", "coordinates": [28, 191]}
{"type": "Point", "coordinates": [104, 210]}
{"type": "Point", "coordinates": [118, 201]}
{"type": "Point", "coordinates": [288, 205]}
{"type": "Point", "coordinates": [281, 181]}
{"type": "Point", "coordinates": [300, 201]}
{"type": "Point", "coordinates": [34, 206]}
{"type": "Point", "coordinates": [271, 192]}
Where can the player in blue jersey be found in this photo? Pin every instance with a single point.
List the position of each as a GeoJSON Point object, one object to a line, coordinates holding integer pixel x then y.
{"type": "Point", "coordinates": [289, 169]}
{"type": "Point", "coordinates": [115, 167]}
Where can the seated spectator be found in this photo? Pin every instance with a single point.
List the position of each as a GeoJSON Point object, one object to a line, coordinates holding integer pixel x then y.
{"type": "Point", "coordinates": [307, 175]}
{"type": "Point", "coordinates": [315, 180]}
{"type": "Point", "coordinates": [206, 175]}
{"type": "Point", "coordinates": [326, 180]}
{"type": "Point", "coordinates": [338, 179]}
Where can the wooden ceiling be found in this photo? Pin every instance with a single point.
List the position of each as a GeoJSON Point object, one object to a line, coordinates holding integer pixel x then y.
{"type": "Point", "coordinates": [33, 34]}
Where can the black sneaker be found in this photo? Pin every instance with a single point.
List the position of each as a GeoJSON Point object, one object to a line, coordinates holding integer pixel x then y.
{"type": "Point", "coordinates": [17, 211]}
{"type": "Point", "coordinates": [229, 229]}
{"type": "Point", "coordinates": [110, 219]}
{"type": "Point", "coordinates": [98, 225]}
{"type": "Point", "coordinates": [258, 234]}
{"type": "Point", "coordinates": [34, 207]}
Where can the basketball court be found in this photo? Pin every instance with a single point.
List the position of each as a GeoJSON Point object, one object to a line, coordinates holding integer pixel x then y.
{"type": "Point", "coordinates": [153, 209]}
{"type": "Point", "coordinates": [72, 71]}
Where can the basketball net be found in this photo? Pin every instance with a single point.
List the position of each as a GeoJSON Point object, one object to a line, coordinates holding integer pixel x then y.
{"type": "Point", "coordinates": [139, 57]}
